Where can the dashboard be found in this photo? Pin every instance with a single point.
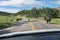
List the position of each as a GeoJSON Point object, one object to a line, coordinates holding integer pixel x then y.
{"type": "Point", "coordinates": [37, 36]}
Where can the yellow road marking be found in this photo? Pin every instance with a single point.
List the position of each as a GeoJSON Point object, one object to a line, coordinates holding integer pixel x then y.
{"type": "Point", "coordinates": [33, 28]}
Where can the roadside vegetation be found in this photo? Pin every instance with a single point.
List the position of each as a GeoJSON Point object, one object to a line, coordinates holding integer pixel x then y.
{"type": "Point", "coordinates": [7, 20]}
{"type": "Point", "coordinates": [56, 21]}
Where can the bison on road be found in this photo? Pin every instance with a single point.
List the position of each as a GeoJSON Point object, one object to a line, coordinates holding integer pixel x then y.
{"type": "Point", "coordinates": [47, 18]}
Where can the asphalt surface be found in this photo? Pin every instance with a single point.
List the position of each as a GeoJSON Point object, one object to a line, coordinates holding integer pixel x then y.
{"type": "Point", "coordinates": [25, 25]}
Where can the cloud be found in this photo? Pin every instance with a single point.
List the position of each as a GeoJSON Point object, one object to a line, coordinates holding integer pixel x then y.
{"type": "Point", "coordinates": [21, 3]}
{"type": "Point", "coordinates": [18, 3]}
{"type": "Point", "coordinates": [57, 2]}
{"type": "Point", "coordinates": [4, 0]}
{"type": "Point", "coordinates": [9, 10]}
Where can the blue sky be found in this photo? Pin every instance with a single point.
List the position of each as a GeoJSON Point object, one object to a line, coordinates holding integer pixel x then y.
{"type": "Point", "coordinates": [14, 6]}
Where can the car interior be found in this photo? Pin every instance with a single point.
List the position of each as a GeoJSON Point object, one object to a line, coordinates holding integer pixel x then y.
{"type": "Point", "coordinates": [53, 35]}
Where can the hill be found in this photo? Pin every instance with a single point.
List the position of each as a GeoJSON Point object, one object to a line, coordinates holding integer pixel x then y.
{"type": "Point", "coordinates": [5, 13]}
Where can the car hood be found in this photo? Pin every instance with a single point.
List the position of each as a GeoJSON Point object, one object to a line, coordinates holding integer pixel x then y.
{"type": "Point", "coordinates": [30, 32]}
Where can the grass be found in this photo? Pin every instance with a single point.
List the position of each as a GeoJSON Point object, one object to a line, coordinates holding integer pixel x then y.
{"type": "Point", "coordinates": [41, 18]}
{"type": "Point", "coordinates": [5, 25]}
{"type": "Point", "coordinates": [6, 18]}
{"type": "Point", "coordinates": [56, 21]}
{"type": "Point", "coordinates": [5, 21]}
{"type": "Point", "coordinates": [53, 21]}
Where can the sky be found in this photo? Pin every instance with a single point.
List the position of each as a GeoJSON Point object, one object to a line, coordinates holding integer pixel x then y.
{"type": "Point", "coordinates": [13, 6]}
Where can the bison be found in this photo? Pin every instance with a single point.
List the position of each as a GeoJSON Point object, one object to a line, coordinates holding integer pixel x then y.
{"type": "Point", "coordinates": [47, 18]}
{"type": "Point", "coordinates": [18, 19]}
{"type": "Point", "coordinates": [29, 20]}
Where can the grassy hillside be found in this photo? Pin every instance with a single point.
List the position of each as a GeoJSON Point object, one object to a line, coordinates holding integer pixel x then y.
{"type": "Point", "coordinates": [6, 18]}
{"type": "Point", "coordinates": [5, 21]}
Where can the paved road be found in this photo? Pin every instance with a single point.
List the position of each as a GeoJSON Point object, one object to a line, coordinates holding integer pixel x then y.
{"type": "Point", "coordinates": [25, 25]}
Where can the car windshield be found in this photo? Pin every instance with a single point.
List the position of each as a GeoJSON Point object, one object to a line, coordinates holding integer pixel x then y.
{"type": "Point", "coordinates": [29, 15]}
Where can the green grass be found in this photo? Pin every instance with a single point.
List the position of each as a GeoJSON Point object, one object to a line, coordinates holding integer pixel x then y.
{"type": "Point", "coordinates": [6, 18]}
{"type": "Point", "coordinates": [54, 20]}
{"type": "Point", "coordinates": [41, 18]}
{"type": "Point", "coordinates": [5, 21]}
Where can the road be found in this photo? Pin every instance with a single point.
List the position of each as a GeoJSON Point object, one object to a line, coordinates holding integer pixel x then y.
{"type": "Point", "coordinates": [25, 25]}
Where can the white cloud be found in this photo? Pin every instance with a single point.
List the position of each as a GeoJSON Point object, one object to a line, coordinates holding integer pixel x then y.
{"type": "Point", "coordinates": [21, 2]}
{"type": "Point", "coordinates": [9, 10]}
{"type": "Point", "coordinates": [57, 2]}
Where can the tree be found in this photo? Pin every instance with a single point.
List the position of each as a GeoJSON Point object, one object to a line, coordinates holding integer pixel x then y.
{"type": "Point", "coordinates": [34, 12]}
{"type": "Point", "coordinates": [41, 12]}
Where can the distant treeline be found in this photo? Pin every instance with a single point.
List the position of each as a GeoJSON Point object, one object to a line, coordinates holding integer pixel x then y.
{"type": "Point", "coordinates": [5, 13]}
{"type": "Point", "coordinates": [36, 12]}
{"type": "Point", "coordinates": [41, 12]}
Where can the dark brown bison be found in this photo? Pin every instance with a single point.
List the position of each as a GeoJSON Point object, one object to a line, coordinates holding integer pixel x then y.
{"type": "Point", "coordinates": [18, 19]}
{"type": "Point", "coordinates": [47, 18]}
{"type": "Point", "coordinates": [29, 20]}
{"type": "Point", "coordinates": [11, 20]}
